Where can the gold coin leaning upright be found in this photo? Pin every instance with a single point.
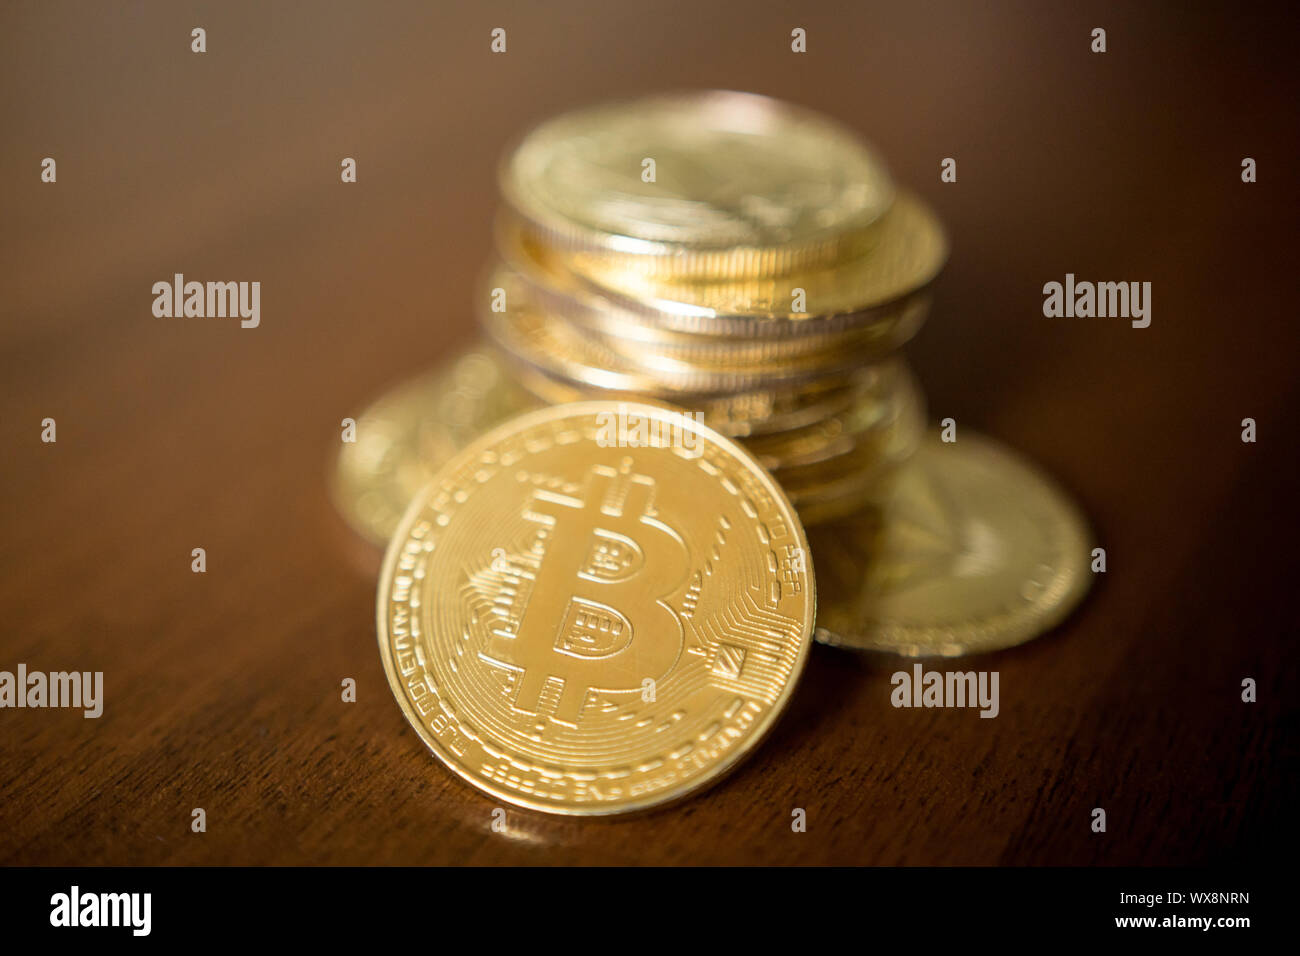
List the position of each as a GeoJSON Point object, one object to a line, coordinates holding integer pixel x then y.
{"type": "Point", "coordinates": [975, 551]}
{"type": "Point", "coordinates": [582, 627]}
{"type": "Point", "coordinates": [698, 183]}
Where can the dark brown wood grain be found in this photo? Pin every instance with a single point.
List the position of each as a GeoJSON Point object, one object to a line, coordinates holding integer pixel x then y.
{"type": "Point", "coordinates": [223, 689]}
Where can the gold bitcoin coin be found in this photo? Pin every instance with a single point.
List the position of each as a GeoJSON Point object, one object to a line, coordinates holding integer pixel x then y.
{"type": "Point", "coordinates": [704, 183]}
{"type": "Point", "coordinates": [406, 436]}
{"type": "Point", "coordinates": [975, 551]}
{"type": "Point", "coordinates": [581, 626]}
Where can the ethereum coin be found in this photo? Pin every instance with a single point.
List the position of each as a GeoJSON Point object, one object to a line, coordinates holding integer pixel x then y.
{"type": "Point", "coordinates": [702, 183]}
{"type": "Point", "coordinates": [975, 551]}
{"type": "Point", "coordinates": [583, 627]}
{"type": "Point", "coordinates": [405, 436]}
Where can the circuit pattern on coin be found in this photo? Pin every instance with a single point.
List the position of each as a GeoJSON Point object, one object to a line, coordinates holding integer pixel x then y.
{"type": "Point", "coordinates": [584, 618]}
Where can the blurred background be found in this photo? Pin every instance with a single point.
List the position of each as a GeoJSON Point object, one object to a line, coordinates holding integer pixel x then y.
{"type": "Point", "coordinates": [222, 689]}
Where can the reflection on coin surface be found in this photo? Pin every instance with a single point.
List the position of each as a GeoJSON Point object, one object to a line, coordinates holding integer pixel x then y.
{"type": "Point", "coordinates": [405, 436]}
{"type": "Point", "coordinates": [584, 626]}
{"type": "Point", "coordinates": [975, 551]}
{"type": "Point", "coordinates": [739, 181]}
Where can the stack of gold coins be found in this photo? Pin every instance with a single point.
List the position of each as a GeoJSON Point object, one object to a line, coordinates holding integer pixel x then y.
{"type": "Point", "coordinates": [738, 257]}
{"type": "Point", "coordinates": [753, 264]}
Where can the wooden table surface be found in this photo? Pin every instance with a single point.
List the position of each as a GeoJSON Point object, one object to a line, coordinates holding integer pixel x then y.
{"type": "Point", "coordinates": [222, 690]}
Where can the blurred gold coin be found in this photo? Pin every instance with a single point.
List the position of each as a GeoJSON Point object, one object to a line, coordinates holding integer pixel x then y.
{"type": "Point", "coordinates": [975, 551]}
{"type": "Point", "coordinates": [407, 435]}
{"type": "Point", "coordinates": [888, 399]}
{"type": "Point", "coordinates": [862, 475]}
{"type": "Point", "coordinates": [541, 339]}
{"type": "Point", "coordinates": [907, 252]}
{"type": "Point", "coordinates": [760, 411]}
{"type": "Point", "coordinates": [581, 626]}
{"type": "Point", "coordinates": [673, 331]}
{"type": "Point", "coordinates": [698, 183]}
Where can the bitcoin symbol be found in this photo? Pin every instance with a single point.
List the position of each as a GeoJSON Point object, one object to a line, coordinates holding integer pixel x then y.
{"type": "Point", "coordinates": [595, 618]}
